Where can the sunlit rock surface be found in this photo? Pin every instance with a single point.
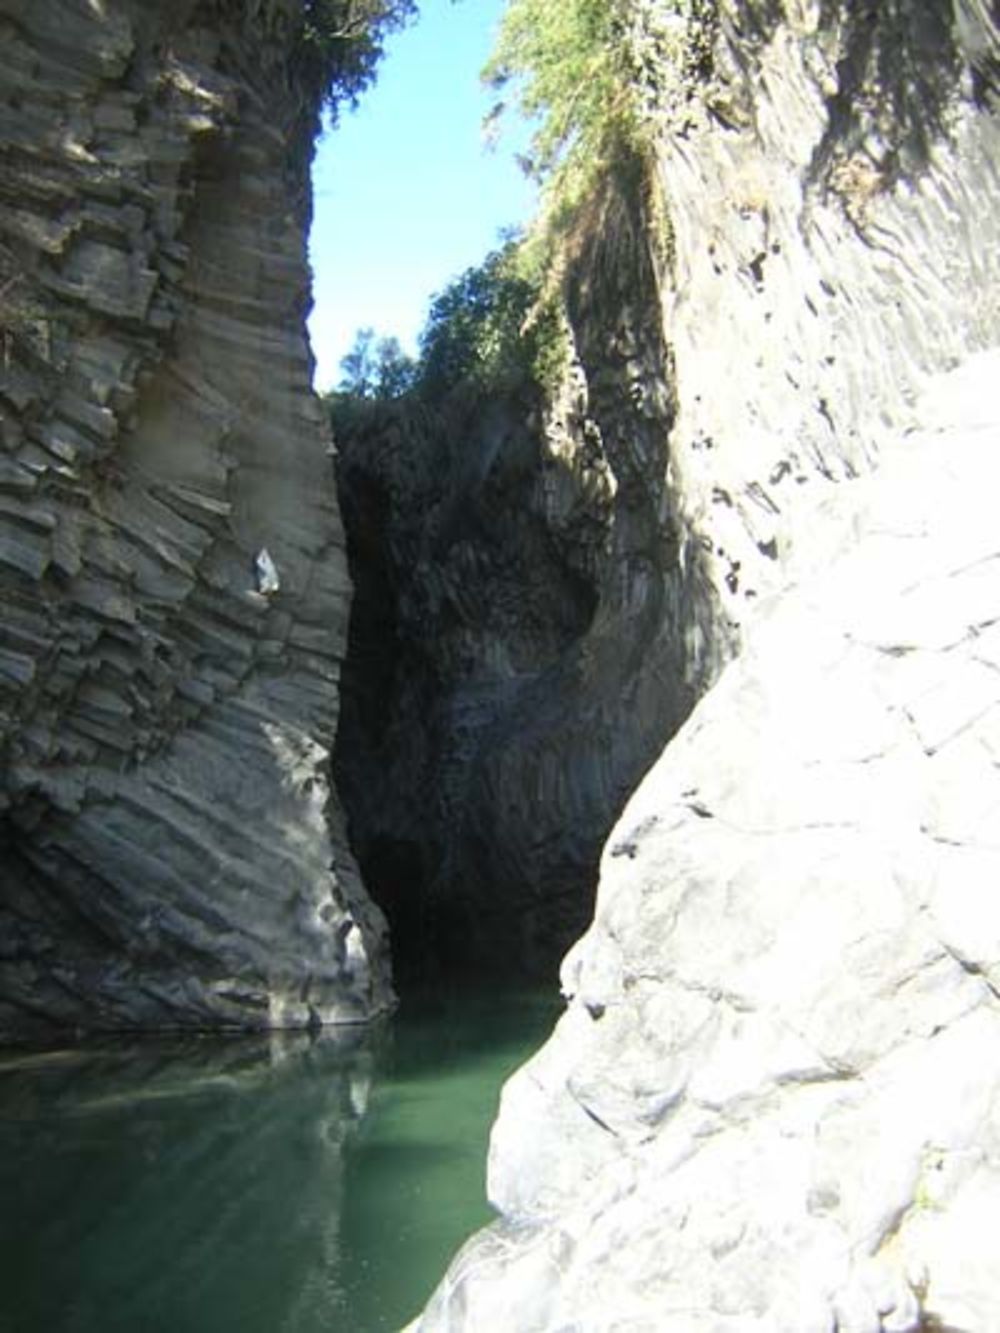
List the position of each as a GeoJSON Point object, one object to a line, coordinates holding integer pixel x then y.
{"type": "Point", "coordinates": [773, 1103]}
{"type": "Point", "coordinates": [832, 207]}
{"type": "Point", "coordinates": [774, 1100]}
{"type": "Point", "coordinates": [170, 851]}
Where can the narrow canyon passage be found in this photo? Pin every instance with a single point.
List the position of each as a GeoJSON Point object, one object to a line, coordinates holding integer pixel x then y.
{"type": "Point", "coordinates": [517, 651]}
{"type": "Point", "coordinates": [666, 558]}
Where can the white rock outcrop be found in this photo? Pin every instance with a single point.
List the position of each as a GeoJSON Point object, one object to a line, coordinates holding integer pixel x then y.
{"type": "Point", "coordinates": [773, 1103]}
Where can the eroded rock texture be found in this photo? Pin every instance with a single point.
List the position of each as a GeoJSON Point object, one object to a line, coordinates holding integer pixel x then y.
{"type": "Point", "coordinates": [773, 1103]}
{"type": "Point", "coordinates": [170, 852]}
{"type": "Point", "coordinates": [835, 241]}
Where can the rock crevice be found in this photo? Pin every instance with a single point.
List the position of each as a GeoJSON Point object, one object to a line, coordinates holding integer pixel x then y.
{"type": "Point", "coordinates": [530, 624]}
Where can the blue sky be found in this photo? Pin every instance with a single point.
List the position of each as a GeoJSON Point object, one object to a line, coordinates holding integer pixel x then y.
{"type": "Point", "coordinates": [406, 194]}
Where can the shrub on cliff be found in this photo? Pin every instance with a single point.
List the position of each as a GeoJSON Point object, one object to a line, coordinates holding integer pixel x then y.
{"type": "Point", "coordinates": [597, 78]}
{"type": "Point", "coordinates": [487, 330]}
{"type": "Point", "coordinates": [341, 43]}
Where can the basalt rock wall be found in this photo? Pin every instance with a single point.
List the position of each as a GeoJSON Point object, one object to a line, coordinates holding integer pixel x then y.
{"type": "Point", "coordinates": [830, 197]}
{"type": "Point", "coordinates": [172, 574]}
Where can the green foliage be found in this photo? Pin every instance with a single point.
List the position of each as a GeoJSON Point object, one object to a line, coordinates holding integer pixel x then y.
{"type": "Point", "coordinates": [341, 43]}
{"type": "Point", "coordinates": [489, 332]}
{"type": "Point", "coordinates": [562, 58]}
{"type": "Point", "coordinates": [376, 367]}
{"type": "Point", "coordinates": [598, 78]}
{"type": "Point", "coordinates": [376, 371]}
{"type": "Point", "coordinates": [487, 329]}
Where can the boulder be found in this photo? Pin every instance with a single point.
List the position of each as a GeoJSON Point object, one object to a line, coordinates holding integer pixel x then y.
{"type": "Point", "coordinates": [773, 1102]}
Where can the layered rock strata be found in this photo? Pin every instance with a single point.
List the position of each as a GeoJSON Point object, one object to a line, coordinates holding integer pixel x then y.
{"type": "Point", "coordinates": [171, 566]}
{"type": "Point", "coordinates": [772, 1103]}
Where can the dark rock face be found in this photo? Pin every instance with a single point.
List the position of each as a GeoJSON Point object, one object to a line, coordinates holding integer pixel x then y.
{"type": "Point", "coordinates": [170, 851]}
{"type": "Point", "coordinates": [530, 625]}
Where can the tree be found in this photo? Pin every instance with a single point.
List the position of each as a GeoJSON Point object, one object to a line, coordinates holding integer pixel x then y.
{"type": "Point", "coordinates": [395, 372]}
{"type": "Point", "coordinates": [376, 367]}
{"type": "Point", "coordinates": [561, 60]}
{"type": "Point", "coordinates": [486, 328]}
{"type": "Point", "coordinates": [357, 366]}
{"type": "Point", "coordinates": [341, 43]}
{"type": "Point", "coordinates": [596, 78]}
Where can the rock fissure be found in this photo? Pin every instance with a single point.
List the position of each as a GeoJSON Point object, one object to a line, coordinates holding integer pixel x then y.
{"type": "Point", "coordinates": [519, 697]}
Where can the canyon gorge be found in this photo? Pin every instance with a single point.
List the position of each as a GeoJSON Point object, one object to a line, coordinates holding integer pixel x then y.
{"type": "Point", "coordinates": [705, 627]}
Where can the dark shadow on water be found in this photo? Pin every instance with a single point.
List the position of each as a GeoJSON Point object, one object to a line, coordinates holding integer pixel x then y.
{"type": "Point", "coordinates": [259, 1185]}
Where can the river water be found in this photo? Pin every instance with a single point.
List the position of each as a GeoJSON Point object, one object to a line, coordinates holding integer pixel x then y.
{"type": "Point", "coordinates": [277, 1184]}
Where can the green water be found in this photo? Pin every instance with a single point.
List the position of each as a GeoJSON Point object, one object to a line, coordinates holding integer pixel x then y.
{"type": "Point", "coordinates": [252, 1185]}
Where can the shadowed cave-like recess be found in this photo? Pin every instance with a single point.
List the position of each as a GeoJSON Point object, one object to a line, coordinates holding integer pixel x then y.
{"type": "Point", "coordinates": [515, 660]}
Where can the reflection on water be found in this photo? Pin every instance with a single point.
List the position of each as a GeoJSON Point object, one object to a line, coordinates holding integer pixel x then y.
{"type": "Point", "coordinates": [261, 1185]}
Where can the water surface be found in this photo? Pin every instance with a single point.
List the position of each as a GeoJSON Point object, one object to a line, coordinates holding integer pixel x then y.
{"type": "Point", "coordinates": [253, 1185]}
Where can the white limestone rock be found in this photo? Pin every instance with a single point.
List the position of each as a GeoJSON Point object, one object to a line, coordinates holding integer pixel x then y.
{"type": "Point", "coordinates": [773, 1103]}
